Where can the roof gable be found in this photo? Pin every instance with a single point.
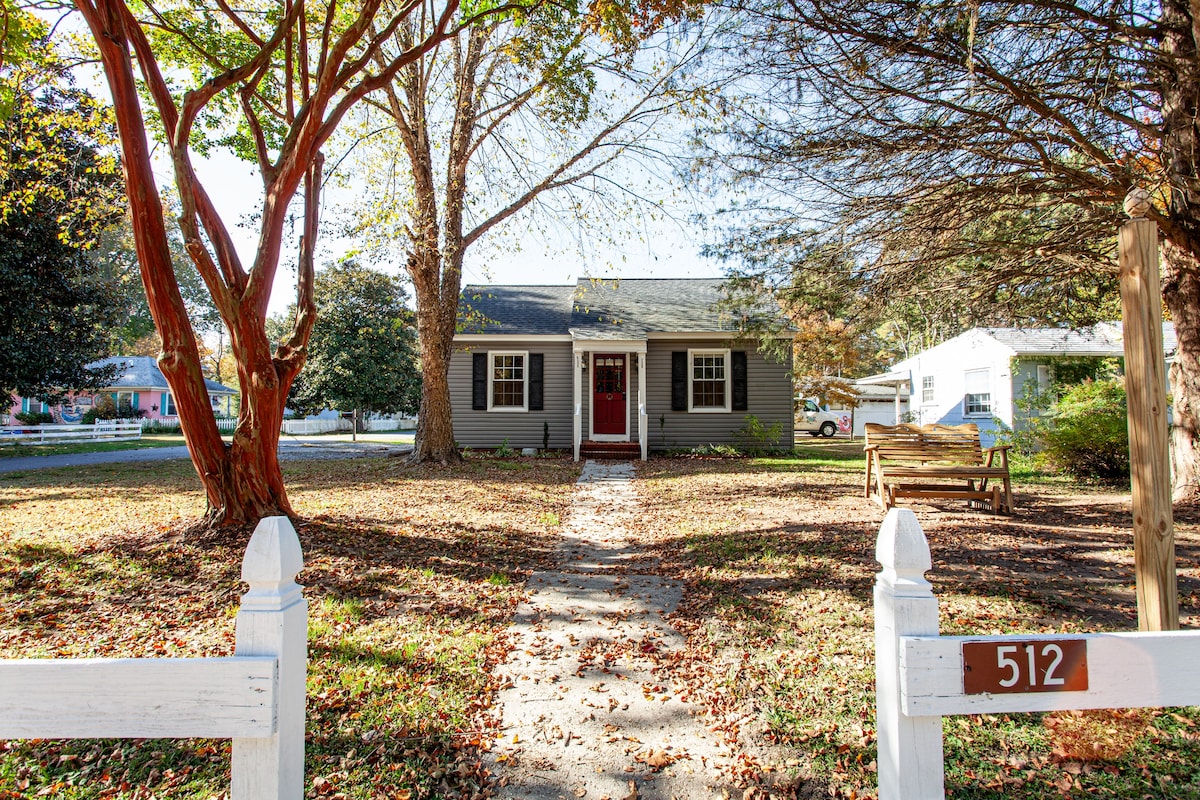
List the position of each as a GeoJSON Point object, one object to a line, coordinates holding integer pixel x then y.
{"type": "Point", "coordinates": [1104, 339]}
{"type": "Point", "coordinates": [142, 372]}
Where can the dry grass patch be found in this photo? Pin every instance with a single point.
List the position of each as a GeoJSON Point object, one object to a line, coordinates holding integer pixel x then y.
{"type": "Point", "coordinates": [778, 559]}
{"type": "Point", "coordinates": [411, 574]}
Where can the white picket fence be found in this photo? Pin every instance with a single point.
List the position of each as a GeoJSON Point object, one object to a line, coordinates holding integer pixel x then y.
{"type": "Point", "coordinates": [117, 430]}
{"type": "Point", "coordinates": [392, 424]}
{"type": "Point", "coordinates": [149, 425]}
{"type": "Point", "coordinates": [256, 697]}
{"type": "Point", "coordinates": [921, 676]}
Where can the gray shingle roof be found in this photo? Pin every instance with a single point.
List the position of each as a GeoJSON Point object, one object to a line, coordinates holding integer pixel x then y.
{"type": "Point", "coordinates": [530, 310]}
{"type": "Point", "coordinates": [602, 308]}
{"type": "Point", "coordinates": [142, 372]}
{"type": "Point", "coordinates": [1103, 339]}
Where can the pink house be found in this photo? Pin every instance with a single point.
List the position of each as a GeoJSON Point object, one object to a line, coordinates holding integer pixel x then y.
{"type": "Point", "coordinates": [141, 386]}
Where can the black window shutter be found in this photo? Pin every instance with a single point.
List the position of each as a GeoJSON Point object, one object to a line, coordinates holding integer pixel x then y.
{"type": "Point", "coordinates": [536, 402]}
{"type": "Point", "coordinates": [741, 387]}
{"type": "Point", "coordinates": [679, 381]}
{"type": "Point", "coordinates": [479, 381]}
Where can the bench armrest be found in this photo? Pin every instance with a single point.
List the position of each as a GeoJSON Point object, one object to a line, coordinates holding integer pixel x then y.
{"type": "Point", "coordinates": [1002, 449]}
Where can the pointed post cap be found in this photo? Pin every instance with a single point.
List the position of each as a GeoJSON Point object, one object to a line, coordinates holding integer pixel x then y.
{"type": "Point", "coordinates": [903, 552]}
{"type": "Point", "coordinates": [273, 560]}
{"type": "Point", "coordinates": [1137, 203]}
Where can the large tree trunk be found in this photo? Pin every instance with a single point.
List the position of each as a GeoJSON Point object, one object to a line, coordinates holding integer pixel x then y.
{"type": "Point", "coordinates": [1181, 293]}
{"type": "Point", "coordinates": [242, 481]}
{"type": "Point", "coordinates": [436, 285]}
{"type": "Point", "coordinates": [435, 426]}
{"type": "Point", "coordinates": [1179, 78]}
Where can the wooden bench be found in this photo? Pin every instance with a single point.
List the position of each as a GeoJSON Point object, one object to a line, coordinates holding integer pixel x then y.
{"type": "Point", "coordinates": [936, 461]}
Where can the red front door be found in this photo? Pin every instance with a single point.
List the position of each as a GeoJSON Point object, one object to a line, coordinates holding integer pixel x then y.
{"type": "Point", "coordinates": [608, 395]}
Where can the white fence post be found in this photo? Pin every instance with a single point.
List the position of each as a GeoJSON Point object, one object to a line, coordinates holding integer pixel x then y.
{"type": "Point", "coordinates": [910, 748]}
{"type": "Point", "coordinates": [273, 621]}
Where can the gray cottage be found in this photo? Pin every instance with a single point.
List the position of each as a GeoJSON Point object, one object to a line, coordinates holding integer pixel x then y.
{"type": "Point", "coordinates": [611, 368]}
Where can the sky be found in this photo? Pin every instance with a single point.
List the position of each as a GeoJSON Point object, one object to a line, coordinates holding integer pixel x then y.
{"type": "Point", "coordinates": [663, 248]}
{"type": "Point", "coordinates": [554, 254]}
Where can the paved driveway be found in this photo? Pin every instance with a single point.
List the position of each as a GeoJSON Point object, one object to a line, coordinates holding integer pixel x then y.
{"type": "Point", "coordinates": [290, 448]}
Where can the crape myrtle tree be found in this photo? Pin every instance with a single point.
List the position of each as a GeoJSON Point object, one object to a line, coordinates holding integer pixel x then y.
{"type": "Point", "coordinates": [362, 354]}
{"type": "Point", "coordinates": [285, 74]}
{"type": "Point", "coordinates": [985, 146]}
{"type": "Point", "coordinates": [543, 115]}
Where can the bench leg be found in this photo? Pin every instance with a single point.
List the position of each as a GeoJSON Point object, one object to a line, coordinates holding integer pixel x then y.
{"type": "Point", "coordinates": [995, 499]}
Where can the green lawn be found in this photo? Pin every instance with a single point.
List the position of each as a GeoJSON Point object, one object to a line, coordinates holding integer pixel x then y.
{"type": "Point", "coordinates": [152, 440]}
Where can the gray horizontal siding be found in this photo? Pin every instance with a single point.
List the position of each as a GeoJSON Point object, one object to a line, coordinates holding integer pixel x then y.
{"type": "Point", "coordinates": [769, 398]}
{"type": "Point", "coordinates": [521, 429]}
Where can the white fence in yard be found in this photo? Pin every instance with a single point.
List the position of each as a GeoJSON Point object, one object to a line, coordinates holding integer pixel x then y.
{"type": "Point", "coordinates": [102, 431]}
{"type": "Point", "coordinates": [256, 697]}
{"type": "Point", "coordinates": [308, 427]}
{"type": "Point", "coordinates": [151, 425]}
{"type": "Point", "coordinates": [921, 676]}
{"type": "Point", "coordinates": [392, 424]}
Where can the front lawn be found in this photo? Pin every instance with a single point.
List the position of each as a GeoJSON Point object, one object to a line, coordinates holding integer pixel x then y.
{"type": "Point", "coordinates": [778, 557]}
{"type": "Point", "coordinates": [411, 575]}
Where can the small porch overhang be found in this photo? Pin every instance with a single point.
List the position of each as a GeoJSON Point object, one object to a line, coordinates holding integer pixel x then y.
{"type": "Point", "coordinates": [900, 380]}
{"type": "Point", "coordinates": [583, 345]}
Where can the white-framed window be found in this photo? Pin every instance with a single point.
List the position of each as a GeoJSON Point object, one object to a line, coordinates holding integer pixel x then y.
{"type": "Point", "coordinates": [508, 385]}
{"type": "Point", "coordinates": [708, 380]}
{"type": "Point", "coordinates": [168, 409]}
{"type": "Point", "coordinates": [927, 389]}
{"type": "Point", "coordinates": [1044, 377]}
{"type": "Point", "coordinates": [977, 399]}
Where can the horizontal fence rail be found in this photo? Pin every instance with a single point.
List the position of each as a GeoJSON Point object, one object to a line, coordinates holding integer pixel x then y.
{"type": "Point", "coordinates": [256, 697]}
{"type": "Point", "coordinates": [101, 431]}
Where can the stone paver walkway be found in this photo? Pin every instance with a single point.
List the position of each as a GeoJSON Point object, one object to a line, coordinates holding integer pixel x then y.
{"type": "Point", "coordinates": [590, 712]}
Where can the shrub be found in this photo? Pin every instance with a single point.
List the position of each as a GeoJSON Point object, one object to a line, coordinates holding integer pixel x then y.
{"type": "Point", "coordinates": [1086, 434]}
{"type": "Point", "coordinates": [35, 418]}
{"type": "Point", "coordinates": [103, 407]}
{"type": "Point", "coordinates": [756, 438]}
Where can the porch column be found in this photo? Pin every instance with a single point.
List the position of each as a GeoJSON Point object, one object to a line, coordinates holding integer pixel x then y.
{"type": "Point", "coordinates": [898, 385]}
{"type": "Point", "coordinates": [577, 422]}
{"type": "Point", "coordinates": [643, 438]}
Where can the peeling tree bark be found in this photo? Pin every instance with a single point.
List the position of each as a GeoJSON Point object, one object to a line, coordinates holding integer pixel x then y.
{"type": "Point", "coordinates": [242, 480]}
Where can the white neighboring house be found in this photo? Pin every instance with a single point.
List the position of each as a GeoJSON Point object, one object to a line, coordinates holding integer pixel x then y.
{"type": "Point", "coordinates": [977, 376]}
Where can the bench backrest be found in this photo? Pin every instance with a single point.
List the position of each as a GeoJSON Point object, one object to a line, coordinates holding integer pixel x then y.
{"type": "Point", "coordinates": [955, 444]}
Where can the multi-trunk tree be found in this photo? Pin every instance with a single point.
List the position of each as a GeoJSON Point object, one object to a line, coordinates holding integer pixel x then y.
{"type": "Point", "coordinates": [273, 80]}
{"type": "Point", "coordinates": [925, 137]}
{"type": "Point", "coordinates": [491, 124]}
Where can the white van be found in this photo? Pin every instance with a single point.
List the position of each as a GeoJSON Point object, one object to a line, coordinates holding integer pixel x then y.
{"type": "Point", "coordinates": [810, 418]}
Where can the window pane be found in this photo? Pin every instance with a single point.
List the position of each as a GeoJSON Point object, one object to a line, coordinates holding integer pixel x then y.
{"type": "Point", "coordinates": [978, 403]}
{"type": "Point", "coordinates": [508, 381]}
{"type": "Point", "coordinates": [708, 380]}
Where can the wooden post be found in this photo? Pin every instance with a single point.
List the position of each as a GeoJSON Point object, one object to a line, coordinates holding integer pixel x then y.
{"type": "Point", "coordinates": [910, 748]}
{"type": "Point", "coordinates": [273, 621]}
{"type": "Point", "coordinates": [1145, 388]}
